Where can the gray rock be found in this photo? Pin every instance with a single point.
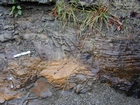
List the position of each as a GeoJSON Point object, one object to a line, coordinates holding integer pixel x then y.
{"type": "Point", "coordinates": [2, 64]}
{"type": "Point", "coordinates": [6, 1]}
{"type": "Point", "coordinates": [16, 32]}
{"type": "Point", "coordinates": [80, 2]}
{"type": "Point", "coordinates": [6, 36]}
{"type": "Point", "coordinates": [2, 55]}
{"type": "Point", "coordinates": [39, 1]}
{"type": "Point", "coordinates": [91, 2]}
{"type": "Point", "coordinates": [66, 93]}
{"type": "Point", "coordinates": [80, 78]}
{"type": "Point", "coordinates": [47, 18]}
{"type": "Point", "coordinates": [78, 88]}
{"type": "Point", "coordinates": [86, 89]}
{"type": "Point", "coordinates": [8, 27]}
{"type": "Point", "coordinates": [46, 94]}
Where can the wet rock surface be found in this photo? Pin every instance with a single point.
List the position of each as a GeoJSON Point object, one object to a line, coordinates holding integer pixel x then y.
{"type": "Point", "coordinates": [96, 59]}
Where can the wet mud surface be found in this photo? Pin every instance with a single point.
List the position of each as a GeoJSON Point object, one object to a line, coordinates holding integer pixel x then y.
{"type": "Point", "coordinates": [38, 32]}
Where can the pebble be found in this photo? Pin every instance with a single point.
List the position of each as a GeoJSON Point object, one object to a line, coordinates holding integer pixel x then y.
{"type": "Point", "coordinates": [81, 78]}
{"type": "Point", "coordinates": [78, 88]}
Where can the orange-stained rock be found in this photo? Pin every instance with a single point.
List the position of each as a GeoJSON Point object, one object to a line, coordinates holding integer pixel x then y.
{"type": "Point", "coordinates": [22, 70]}
{"type": "Point", "coordinates": [69, 86]}
{"type": "Point", "coordinates": [42, 88]}
{"type": "Point", "coordinates": [7, 94]}
{"type": "Point", "coordinates": [58, 72]}
{"type": "Point", "coordinates": [1, 97]}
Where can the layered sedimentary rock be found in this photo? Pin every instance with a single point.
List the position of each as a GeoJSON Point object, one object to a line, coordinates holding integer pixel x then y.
{"type": "Point", "coordinates": [118, 56]}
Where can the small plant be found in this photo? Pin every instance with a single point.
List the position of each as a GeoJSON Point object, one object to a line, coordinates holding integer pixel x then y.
{"type": "Point", "coordinates": [65, 12]}
{"type": "Point", "coordinates": [94, 17]}
{"type": "Point", "coordinates": [98, 17]}
{"type": "Point", "coordinates": [16, 10]}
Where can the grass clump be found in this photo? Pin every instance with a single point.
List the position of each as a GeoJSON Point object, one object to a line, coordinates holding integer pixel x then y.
{"type": "Point", "coordinates": [90, 17]}
{"type": "Point", "coordinates": [65, 12]}
{"type": "Point", "coordinates": [96, 18]}
{"type": "Point", "coordinates": [100, 17]}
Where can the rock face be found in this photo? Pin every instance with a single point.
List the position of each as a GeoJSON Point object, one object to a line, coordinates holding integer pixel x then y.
{"type": "Point", "coordinates": [82, 2]}
{"type": "Point", "coordinates": [5, 1]}
{"type": "Point", "coordinates": [21, 74]}
{"type": "Point", "coordinates": [120, 56]}
{"type": "Point", "coordinates": [119, 59]}
{"type": "Point", "coordinates": [39, 1]}
{"type": "Point", "coordinates": [17, 1]}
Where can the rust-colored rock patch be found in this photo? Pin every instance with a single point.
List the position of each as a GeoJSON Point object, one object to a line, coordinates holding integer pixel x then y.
{"type": "Point", "coordinates": [58, 72]}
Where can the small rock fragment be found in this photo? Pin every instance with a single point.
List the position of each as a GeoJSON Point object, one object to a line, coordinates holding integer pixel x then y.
{"type": "Point", "coordinates": [42, 88]}
{"type": "Point", "coordinates": [6, 36]}
{"type": "Point", "coordinates": [81, 78]}
{"type": "Point", "coordinates": [69, 86]}
{"type": "Point", "coordinates": [78, 88]}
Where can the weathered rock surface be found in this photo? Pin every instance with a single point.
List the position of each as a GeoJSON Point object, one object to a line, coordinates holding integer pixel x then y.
{"type": "Point", "coordinates": [50, 44]}
{"type": "Point", "coordinates": [59, 73]}
{"type": "Point", "coordinates": [42, 89]}
{"type": "Point", "coordinates": [18, 74]}
{"type": "Point", "coordinates": [119, 59]}
{"type": "Point", "coordinates": [80, 2]}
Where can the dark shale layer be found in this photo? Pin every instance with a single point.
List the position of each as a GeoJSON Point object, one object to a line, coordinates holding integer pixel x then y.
{"type": "Point", "coordinates": [120, 57]}
{"type": "Point", "coordinates": [119, 62]}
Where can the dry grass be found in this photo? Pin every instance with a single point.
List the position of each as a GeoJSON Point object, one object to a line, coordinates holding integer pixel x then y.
{"type": "Point", "coordinates": [65, 12]}
{"type": "Point", "coordinates": [96, 17]}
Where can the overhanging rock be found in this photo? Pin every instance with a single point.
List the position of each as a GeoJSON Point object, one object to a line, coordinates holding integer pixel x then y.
{"type": "Point", "coordinates": [81, 2]}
